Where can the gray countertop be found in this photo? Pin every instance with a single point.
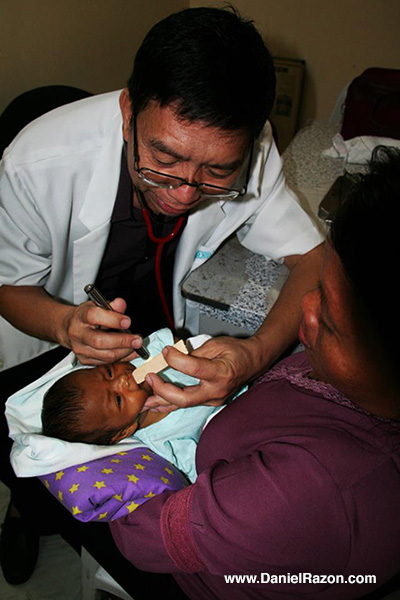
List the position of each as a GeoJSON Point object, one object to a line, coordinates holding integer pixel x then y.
{"type": "Point", "coordinates": [238, 287]}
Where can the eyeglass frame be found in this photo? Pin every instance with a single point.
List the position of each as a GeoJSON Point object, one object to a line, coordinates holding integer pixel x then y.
{"type": "Point", "coordinates": [232, 194]}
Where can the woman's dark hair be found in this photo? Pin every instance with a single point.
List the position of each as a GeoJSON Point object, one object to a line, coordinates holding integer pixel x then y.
{"type": "Point", "coordinates": [212, 64]}
{"type": "Point", "coordinates": [63, 411]}
{"type": "Point", "coordinates": [365, 235]}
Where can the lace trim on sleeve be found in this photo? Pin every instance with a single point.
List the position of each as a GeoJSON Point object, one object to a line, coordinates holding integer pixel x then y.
{"type": "Point", "coordinates": [299, 377]}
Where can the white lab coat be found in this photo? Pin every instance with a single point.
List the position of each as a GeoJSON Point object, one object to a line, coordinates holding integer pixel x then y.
{"type": "Point", "coordinates": [58, 183]}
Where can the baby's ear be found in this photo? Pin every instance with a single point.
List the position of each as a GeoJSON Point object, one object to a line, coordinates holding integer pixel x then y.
{"type": "Point", "coordinates": [124, 433]}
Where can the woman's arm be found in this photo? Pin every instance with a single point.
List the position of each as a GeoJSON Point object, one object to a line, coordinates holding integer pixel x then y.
{"type": "Point", "coordinates": [250, 515]}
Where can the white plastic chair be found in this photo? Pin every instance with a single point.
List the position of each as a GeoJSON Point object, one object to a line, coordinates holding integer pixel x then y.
{"type": "Point", "coordinates": [96, 580]}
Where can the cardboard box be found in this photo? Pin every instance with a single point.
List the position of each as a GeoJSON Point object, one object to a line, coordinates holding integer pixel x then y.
{"type": "Point", "coordinates": [285, 112]}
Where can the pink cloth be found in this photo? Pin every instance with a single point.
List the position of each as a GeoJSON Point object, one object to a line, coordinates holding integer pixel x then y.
{"type": "Point", "coordinates": [293, 478]}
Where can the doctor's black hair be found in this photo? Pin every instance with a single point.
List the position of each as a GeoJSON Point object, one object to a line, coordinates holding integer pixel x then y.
{"type": "Point", "coordinates": [365, 235]}
{"type": "Point", "coordinates": [212, 64]}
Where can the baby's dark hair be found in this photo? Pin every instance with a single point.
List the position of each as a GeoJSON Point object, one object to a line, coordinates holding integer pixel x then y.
{"type": "Point", "coordinates": [62, 415]}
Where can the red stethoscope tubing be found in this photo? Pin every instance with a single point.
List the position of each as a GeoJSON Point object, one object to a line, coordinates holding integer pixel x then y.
{"type": "Point", "coordinates": [160, 241]}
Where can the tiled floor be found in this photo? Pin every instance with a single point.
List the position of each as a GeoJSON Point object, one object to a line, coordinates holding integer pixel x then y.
{"type": "Point", "coordinates": [57, 575]}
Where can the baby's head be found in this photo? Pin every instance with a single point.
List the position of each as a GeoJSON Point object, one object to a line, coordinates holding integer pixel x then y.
{"type": "Point", "coordinates": [96, 406]}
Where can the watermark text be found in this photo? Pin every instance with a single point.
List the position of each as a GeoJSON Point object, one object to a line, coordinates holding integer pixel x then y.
{"type": "Point", "coordinates": [300, 578]}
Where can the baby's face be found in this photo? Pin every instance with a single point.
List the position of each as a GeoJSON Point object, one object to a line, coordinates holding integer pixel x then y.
{"type": "Point", "coordinates": [111, 397]}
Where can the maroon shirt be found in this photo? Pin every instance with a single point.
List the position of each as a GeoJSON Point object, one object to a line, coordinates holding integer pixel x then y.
{"type": "Point", "coordinates": [293, 478]}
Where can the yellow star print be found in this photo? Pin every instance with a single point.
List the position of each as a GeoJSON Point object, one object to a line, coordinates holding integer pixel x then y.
{"type": "Point", "coordinates": [146, 457]}
{"type": "Point", "coordinates": [168, 471]}
{"type": "Point", "coordinates": [150, 495]}
{"type": "Point", "coordinates": [82, 469]}
{"type": "Point", "coordinates": [115, 460]}
{"type": "Point", "coordinates": [122, 453]}
{"type": "Point", "coordinates": [99, 485]}
{"type": "Point", "coordinates": [46, 483]}
{"type": "Point", "coordinates": [103, 515]}
{"type": "Point", "coordinates": [139, 467]}
{"type": "Point", "coordinates": [59, 475]}
{"type": "Point", "coordinates": [107, 471]}
{"type": "Point", "coordinates": [164, 479]}
{"type": "Point", "coordinates": [74, 488]}
{"type": "Point", "coordinates": [76, 511]}
{"type": "Point", "coordinates": [132, 506]}
{"type": "Point", "coordinates": [61, 496]}
{"type": "Point", "coordinates": [118, 497]}
{"type": "Point", "coordinates": [133, 478]}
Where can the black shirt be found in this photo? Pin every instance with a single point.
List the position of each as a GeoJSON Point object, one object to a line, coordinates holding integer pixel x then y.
{"type": "Point", "coordinates": [127, 268]}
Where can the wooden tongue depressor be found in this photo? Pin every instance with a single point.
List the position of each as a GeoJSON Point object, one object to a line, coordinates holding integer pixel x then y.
{"type": "Point", "coordinates": [156, 364]}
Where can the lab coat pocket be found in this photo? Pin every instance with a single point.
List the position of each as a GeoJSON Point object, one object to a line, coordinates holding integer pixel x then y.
{"type": "Point", "coordinates": [88, 252]}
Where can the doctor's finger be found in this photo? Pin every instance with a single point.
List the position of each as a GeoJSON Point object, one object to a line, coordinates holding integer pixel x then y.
{"type": "Point", "coordinates": [100, 317]}
{"type": "Point", "coordinates": [119, 305]}
{"type": "Point", "coordinates": [158, 404]}
{"type": "Point", "coordinates": [192, 395]}
{"type": "Point", "coordinates": [90, 356]}
{"type": "Point", "coordinates": [103, 339]}
{"type": "Point", "coordinates": [199, 367]}
{"type": "Point", "coordinates": [165, 394]}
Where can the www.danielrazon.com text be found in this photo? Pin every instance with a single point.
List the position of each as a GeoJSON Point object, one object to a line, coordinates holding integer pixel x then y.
{"type": "Point", "coordinates": [300, 578]}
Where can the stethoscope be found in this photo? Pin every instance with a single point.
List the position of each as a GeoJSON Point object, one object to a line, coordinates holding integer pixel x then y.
{"type": "Point", "coordinates": [160, 241]}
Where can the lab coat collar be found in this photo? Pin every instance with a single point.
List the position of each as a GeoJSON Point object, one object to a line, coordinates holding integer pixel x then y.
{"type": "Point", "coordinates": [98, 206]}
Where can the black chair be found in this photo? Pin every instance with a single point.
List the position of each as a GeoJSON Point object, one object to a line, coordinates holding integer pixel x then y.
{"type": "Point", "coordinates": [32, 104]}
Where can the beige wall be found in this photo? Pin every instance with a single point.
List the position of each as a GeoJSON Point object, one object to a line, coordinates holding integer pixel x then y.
{"type": "Point", "coordinates": [91, 43]}
{"type": "Point", "coordinates": [337, 38]}
{"type": "Point", "coordinates": [84, 43]}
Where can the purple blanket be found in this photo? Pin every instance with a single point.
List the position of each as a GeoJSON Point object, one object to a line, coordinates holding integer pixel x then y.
{"type": "Point", "coordinates": [114, 486]}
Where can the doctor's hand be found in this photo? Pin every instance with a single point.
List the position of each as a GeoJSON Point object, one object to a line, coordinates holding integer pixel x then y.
{"type": "Point", "coordinates": [86, 330]}
{"type": "Point", "coordinates": [222, 364]}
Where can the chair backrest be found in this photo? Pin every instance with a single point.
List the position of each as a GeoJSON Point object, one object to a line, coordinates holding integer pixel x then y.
{"type": "Point", "coordinates": [336, 117]}
{"type": "Point", "coordinates": [32, 104]}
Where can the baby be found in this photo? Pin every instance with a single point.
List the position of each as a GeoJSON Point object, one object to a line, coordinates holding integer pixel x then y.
{"type": "Point", "coordinates": [101, 405]}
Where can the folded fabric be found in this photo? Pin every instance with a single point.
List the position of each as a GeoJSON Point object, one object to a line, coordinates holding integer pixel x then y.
{"type": "Point", "coordinates": [114, 486]}
{"type": "Point", "coordinates": [357, 150]}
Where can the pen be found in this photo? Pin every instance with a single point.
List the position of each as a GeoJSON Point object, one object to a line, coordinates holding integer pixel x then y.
{"type": "Point", "coordinates": [97, 297]}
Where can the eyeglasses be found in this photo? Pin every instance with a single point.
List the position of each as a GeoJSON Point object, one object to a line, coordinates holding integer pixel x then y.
{"type": "Point", "coordinates": [171, 182]}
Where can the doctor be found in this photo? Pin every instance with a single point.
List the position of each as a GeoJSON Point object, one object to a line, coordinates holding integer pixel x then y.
{"type": "Point", "coordinates": [72, 204]}
{"type": "Point", "coordinates": [135, 189]}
